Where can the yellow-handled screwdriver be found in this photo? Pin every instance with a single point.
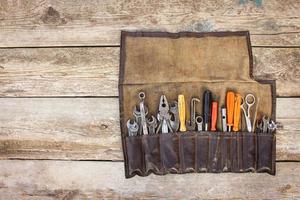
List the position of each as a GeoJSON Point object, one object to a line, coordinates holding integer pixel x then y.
{"type": "Point", "coordinates": [181, 111]}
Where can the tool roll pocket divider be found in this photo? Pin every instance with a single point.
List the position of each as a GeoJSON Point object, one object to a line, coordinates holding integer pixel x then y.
{"type": "Point", "coordinates": [188, 63]}
{"type": "Point", "coordinates": [169, 151]}
{"type": "Point", "coordinates": [249, 152]}
{"type": "Point", "coordinates": [152, 154]}
{"type": "Point", "coordinates": [135, 153]}
{"type": "Point", "coordinates": [266, 152]}
{"type": "Point", "coordinates": [188, 152]}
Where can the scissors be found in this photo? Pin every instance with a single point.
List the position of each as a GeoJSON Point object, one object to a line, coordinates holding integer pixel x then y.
{"type": "Point", "coordinates": [247, 103]}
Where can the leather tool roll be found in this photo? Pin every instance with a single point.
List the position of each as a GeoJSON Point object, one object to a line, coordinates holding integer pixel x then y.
{"type": "Point", "coordinates": [189, 63]}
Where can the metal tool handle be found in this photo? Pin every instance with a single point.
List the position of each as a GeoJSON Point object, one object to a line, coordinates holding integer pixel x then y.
{"type": "Point", "coordinates": [224, 120]}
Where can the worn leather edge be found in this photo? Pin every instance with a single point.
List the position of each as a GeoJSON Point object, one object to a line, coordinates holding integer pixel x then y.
{"type": "Point", "coordinates": [124, 34]}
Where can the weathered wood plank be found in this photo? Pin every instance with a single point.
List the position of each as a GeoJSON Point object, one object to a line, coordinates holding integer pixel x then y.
{"type": "Point", "coordinates": [105, 180]}
{"type": "Point", "coordinates": [88, 128]}
{"type": "Point", "coordinates": [65, 128]}
{"type": "Point", "coordinates": [59, 72]}
{"type": "Point", "coordinates": [280, 64]}
{"type": "Point", "coordinates": [94, 71]}
{"type": "Point", "coordinates": [75, 23]}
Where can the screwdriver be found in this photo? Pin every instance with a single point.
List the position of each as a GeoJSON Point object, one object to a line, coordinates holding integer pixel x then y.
{"type": "Point", "coordinates": [230, 109]}
{"type": "Point", "coordinates": [181, 110]}
{"type": "Point", "coordinates": [237, 112]}
{"type": "Point", "coordinates": [214, 115]}
{"type": "Point", "coordinates": [206, 108]}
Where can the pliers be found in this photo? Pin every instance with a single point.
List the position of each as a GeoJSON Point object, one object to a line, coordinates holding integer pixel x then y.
{"type": "Point", "coordinates": [164, 116]}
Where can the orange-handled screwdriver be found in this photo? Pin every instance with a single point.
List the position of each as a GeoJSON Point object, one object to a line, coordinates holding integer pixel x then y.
{"type": "Point", "coordinates": [230, 109]}
{"type": "Point", "coordinates": [237, 112]}
{"type": "Point", "coordinates": [214, 115]}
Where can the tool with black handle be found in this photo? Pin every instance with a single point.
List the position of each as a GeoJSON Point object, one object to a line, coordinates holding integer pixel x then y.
{"type": "Point", "coordinates": [206, 109]}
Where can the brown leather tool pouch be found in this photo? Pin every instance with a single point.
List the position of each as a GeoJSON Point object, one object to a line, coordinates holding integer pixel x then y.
{"type": "Point", "coordinates": [189, 63]}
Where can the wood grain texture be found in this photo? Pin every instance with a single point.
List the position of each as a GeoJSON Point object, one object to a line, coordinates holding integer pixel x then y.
{"type": "Point", "coordinates": [59, 72]}
{"type": "Point", "coordinates": [76, 23]}
{"type": "Point", "coordinates": [280, 64]}
{"type": "Point", "coordinates": [105, 180]}
{"type": "Point", "coordinates": [65, 128]}
{"type": "Point", "coordinates": [31, 72]}
{"type": "Point", "coordinates": [88, 128]}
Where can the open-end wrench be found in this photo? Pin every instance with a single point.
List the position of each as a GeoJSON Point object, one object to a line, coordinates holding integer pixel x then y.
{"type": "Point", "coordinates": [152, 124]}
{"type": "Point", "coordinates": [174, 111]}
{"type": "Point", "coordinates": [272, 126]}
{"type": "Point", "coordinates": [199, 122]}
{"type": "Point", "coordinates": [265, 121]}
{"type": "Point", "coordinates": [132, 127]}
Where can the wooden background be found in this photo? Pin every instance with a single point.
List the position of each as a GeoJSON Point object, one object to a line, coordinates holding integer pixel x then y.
{"type": "Point", "coordinates": [59, 125]}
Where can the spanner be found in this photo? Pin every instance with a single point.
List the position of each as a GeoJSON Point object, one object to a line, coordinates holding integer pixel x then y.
{"type": "Point", "coordinates": [265, 121]}
{"type": "Point", "coordinates": [174, 111]}
{"type": "Point", "coordinates": [199, 122]}
{"type": "Point", "coordinates": [133, 128]}
{"type": "Point", "coordinates": [152, 124]}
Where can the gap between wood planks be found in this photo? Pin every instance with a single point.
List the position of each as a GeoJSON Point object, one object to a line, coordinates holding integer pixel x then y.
{"type": "Point", "coordinates": [117, 46]}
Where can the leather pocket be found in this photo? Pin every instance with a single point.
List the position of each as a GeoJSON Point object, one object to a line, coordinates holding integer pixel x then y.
{"type": "Point", "coordinates": [225, 152]}
{"type": "Point", "coordinates": [187, 152]}
{"type": "Point", "coordinates": [266, 152]}
{"type": "Point", "coordinates": [214, 153]}
{"type": "Point", "coordinates": [249, 152]}
{"type": "Point", "coordinates": [202, 152]}
{"type": "Point", "coordinates": [169, 151]}
{"type": "Point", "coordinates": [152, 153]}
{"type": "Point", "coordinates": [135, 156]}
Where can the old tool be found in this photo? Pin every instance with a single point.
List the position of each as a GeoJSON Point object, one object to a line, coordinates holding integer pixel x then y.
{"type": "Point", "coordinates": [272, 126]}
{"type": "Point", "coordinates": [246, 105]}
{"type": "Point", "coordinates": [206, 109]}
{"type": "Point", "coordinates": [132, 127]}
{"type": "Point", "coordinates": [191, 125]}
{"type": "Point", "coordinates": [230, 109]}
{"type": "Point", "coordinates": [224, 121]}
{"type": "Point", "coordinates": [237, 112]}
{"type": "Point", "coordinates": [174, 110]}
{"type": "Point", "coordinates": [199, 122]}
{"type": "Point", "coordinates": [137, 115]}
{"type": "Point", "coordinates": [181, 109]}
{"type": "Point", "coordinates": [255, 113]}
{"type": "Point", "coordinates": [214, 115]}
{"type": "Point", "coordinates": [265, 123]}
{"type": "Point", "coordinates": [152, 124]}
{"type": "Point", "coordinates": [164, 116]}
{"type": "Point", "coordinates": [143, 113]}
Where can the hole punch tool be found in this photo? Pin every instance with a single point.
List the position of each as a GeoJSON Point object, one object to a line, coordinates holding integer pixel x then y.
{"type": "Point", "coordinates": [164, 116]}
